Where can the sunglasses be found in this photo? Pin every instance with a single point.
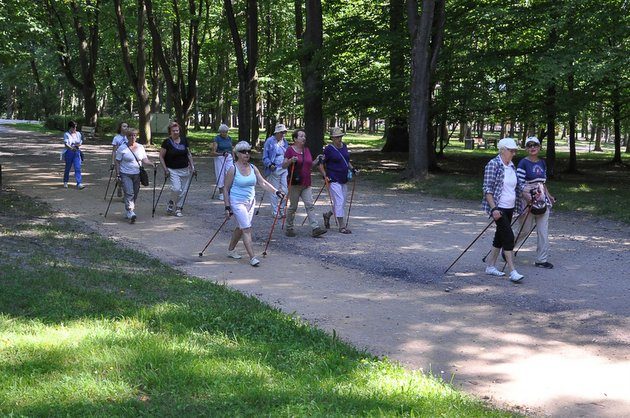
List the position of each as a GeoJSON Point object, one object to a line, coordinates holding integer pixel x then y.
{"type": "Point", "coordinates": [532, 145]}
{"type": "Point", "coordinates": [246, 151]}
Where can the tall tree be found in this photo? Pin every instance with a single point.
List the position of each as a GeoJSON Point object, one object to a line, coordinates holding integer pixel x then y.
{"type": "Point", "coordinates": [246, 70]}
{"type": "Point", "coordinates": [136, 74]}
{"type": "Point", "coordinates": [426, 29]}
{"type": "Point", "coordinates": [85, 28]}
{"type": "Point", "coordinates": [396, 127]}
{"type": "Point", "coordinates": [310, 42]}
{"type": "Point", "coordinates": [184, 54]}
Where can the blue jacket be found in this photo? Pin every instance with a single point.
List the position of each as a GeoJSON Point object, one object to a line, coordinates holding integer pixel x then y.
{"type": "Point", "coordinates": [273, 153]}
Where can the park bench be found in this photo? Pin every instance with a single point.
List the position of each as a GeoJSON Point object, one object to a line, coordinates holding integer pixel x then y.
{"type": "Point", "coordinates": [485, 142]}
{"type": "Point", "coordinates": [88, 131]}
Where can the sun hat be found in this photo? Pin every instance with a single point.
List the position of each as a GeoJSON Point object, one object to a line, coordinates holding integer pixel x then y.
{"type": "Point", "coordinates": [223, 128]}
{"type": "Point", "coordinates": [242, 146]}
{"type": "Point", "coordinates": [280, 128]}
{"type": "Point", "coordinates": [532, 139]}
{"type": "Point", "coordinates": [508, 143]}
{"type": "Point", "coordinates": [336, 132]}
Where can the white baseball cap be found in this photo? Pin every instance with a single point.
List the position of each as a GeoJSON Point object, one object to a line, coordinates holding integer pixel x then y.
{"type": "Point", "coordinates": [508, 143]}
{"type": "Point", "coordinates": [532, 139]}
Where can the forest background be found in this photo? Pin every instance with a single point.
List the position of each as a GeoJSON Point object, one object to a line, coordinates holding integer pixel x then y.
{"type": "Point", "coordinates": [422, 74]}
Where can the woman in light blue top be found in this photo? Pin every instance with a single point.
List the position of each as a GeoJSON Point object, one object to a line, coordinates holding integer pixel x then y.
{"type": "Point", "coordinates": [239, 197]}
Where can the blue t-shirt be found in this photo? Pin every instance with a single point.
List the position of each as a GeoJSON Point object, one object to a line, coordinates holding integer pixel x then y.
{"type": "Point", "coordinates": [337, 162]}
{"type": "Point", "coordinates": [532, 172]}
{"type": "Point", "coordinates": [223, 144]}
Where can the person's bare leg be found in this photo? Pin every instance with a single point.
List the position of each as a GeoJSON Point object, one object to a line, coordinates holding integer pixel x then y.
{"type": "Point", "coordinates": [492, 258]}
{"type": "Point", "coordinates": [509, 258]}
{"type": "Point", "coordinates": [247, 241]}
{"type": "Point", "coordinates": [236, 236]}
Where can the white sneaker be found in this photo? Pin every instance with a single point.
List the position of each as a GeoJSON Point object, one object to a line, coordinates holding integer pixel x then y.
{"type": "Point", "coordinates": [80, 186]}
{"type": "Point", "coordinates": [233, 254]}
{"type": "Point", "coordinates": [178, 213]}
{"type": "Point", "coordinates": [254, 262]}
{"type": "Point", "coordinates": [220, 196]}
{"type": "Point", "coordinates": [65, 185]}
{"type": "Point", "coordinates": [515, 276]}
{"type": "Point", "coordinates": [132, 217]}
{"type": "Point", "coordinates": [493, 271]}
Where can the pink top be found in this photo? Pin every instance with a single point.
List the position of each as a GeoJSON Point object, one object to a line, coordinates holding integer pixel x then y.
{"type": "Point", "coordinates": [304, 164]}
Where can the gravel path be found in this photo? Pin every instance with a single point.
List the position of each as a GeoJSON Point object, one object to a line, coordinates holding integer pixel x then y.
{"type": "Point", "coordinates": [558, 344]}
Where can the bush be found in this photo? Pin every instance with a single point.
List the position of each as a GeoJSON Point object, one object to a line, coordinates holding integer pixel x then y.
{"type": "Point", "coordinates": [60, 122]}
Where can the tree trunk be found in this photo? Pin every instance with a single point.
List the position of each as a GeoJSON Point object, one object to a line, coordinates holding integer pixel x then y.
{"type": "Point", "coordinates": [310, 43]}
{"type": "Point", "coordinates": [136, 76]}
{"type": "Point", "coordinates": [245, 71]}
{"type": "Point", "coordinates": [88, 44]}
{"type": "Point", "coordinates": [572, 125]}
{"type": "Point", "coordinates": [550, 111]}
{"type": "Point", "coordinates": [616, 108]}
{"type": "Point", "coordinates": [397, 127]}
{"type": "Point", "coordinates": [426, 30]}
{"type": "Point", "coordinates": [182, 88]}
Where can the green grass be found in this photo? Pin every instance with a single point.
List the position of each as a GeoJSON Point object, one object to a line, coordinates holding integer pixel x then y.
{"type": "Point", "coordinates": [89, 328]}
{"type": "Point", "coordinates": [34, 127]}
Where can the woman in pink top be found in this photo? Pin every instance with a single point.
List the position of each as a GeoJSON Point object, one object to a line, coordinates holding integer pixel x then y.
{"type": "Point", "coordinates": [299, 156]}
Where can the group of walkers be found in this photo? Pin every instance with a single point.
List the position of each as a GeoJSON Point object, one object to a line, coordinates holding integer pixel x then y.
{"type": "Point", "coordinates": [508, 191]}
{"type": "Point", "coordinates": [287, 171]}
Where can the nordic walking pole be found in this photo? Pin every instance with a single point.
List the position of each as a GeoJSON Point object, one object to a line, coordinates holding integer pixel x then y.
{"type": "Point", "coordinates": [519, 233]}
{"type": "Point", "coordinates": [354, 182]}
{"type": "Point", "coordinates": [471, 244]}
{"type": "Point", "coordinates": [111, 173]}
{"type": "Point", "coordinates": [188, 188]}
{"type": "Point", "coordinates": [523, 242]}
{"type": "Point", "coordinates": [110, 199]}
{"type": "Point", "coordinates": [159, 195]}
{"type": "Point", "coordinates": [315, 201]}
{"type": "Point", "coordinates": [220, 173]}
{"type": "Point", "coordinates": [154, 175]}
{"type": "Point", "coordinates": [490, 250]}
{"type": "Point", "coordinates": [261, 200]}
{"type": "Point", "coordinates": [215, 234]}
{"type": "Point", "coordinates": [288, 194]}
{"type": "Point", "coordinates": [275, 219]}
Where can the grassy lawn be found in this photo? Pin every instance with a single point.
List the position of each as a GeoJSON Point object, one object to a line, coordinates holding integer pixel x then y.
{"type": "Point", "coordinates": [89, 328]}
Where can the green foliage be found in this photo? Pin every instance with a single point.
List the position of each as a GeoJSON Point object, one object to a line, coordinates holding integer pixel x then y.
{"type": "Point", "coordinates": [60, 122]}
{"type": "Point", "coordinates": [102, 330]}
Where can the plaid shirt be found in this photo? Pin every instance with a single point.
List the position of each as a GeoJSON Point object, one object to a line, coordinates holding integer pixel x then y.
{"type": "Point", "coordinates": [493, 183]}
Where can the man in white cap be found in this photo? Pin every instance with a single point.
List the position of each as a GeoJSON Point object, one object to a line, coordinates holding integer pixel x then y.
{"type": "Point", "coordinates": [273, 156]}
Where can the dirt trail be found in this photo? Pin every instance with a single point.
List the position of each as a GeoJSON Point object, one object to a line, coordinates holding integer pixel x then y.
{"type": "Point", "coordinates": [558, 344]}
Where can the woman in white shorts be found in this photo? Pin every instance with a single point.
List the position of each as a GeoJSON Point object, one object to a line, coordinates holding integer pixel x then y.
{"type": "Point", "coordinates": [239, 198]}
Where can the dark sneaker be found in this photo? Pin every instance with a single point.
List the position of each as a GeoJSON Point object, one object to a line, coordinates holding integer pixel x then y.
{"type": "Point", "coordinates": [170, 207]}
{"type": "Point", "coordinates": [318, 231]}
{"type": "Point", "coordinates": [545, 265]}
{"type": "Point", "coordinates": [289, 233]}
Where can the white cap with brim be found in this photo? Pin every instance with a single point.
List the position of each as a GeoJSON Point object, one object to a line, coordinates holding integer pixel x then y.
{"type": "Point", "coordinates": [508, 143]}
{"type": "Point", "coordinates": [532, 139]}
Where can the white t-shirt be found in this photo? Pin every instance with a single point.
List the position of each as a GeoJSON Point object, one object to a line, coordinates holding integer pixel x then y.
{"type": "Point", "coordinates": [128, 164]}
{"type": "Point", "coordinates": [119, 140]}
{"type": "Point", "coordinates": [508, 193]}
{"type": "Point", "coordinates": [72, 139]}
